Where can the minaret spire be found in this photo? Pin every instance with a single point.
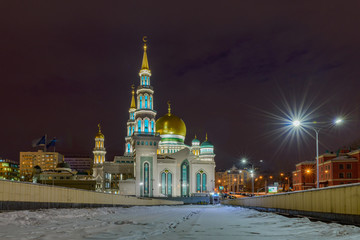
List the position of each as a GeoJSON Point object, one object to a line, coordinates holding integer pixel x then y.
{"type": "Point", "coordinates": [133, 104]}
{"type": "Point", "coordinates": [169, 108]}
{"type": "Point", "coordinates": [145, 63]}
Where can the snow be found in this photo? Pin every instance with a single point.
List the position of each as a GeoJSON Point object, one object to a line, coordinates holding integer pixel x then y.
{"type": "Point", "coordinates": [166, 222]}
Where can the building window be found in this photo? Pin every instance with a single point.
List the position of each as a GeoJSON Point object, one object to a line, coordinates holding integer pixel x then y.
{"type": "Point", "coordinates": [140, 102]}
{"type": "Point", "coordinates": [184, 181]}
{"type": "Point", "coordinates": [139, 125]}
{"type": "Point", "coordinates": [341, 166]}
{"type": "Point", "coordinates": [341, 175]}
{"type": "Point", "coordinates": [150, 103]}
{"type": "Point", "coordinates": [146, 101]}
{"type": "Point", "coordinates": [146, 178]}
{"type": "Point", "coordinates": [348, 175]}
{"type": "Point", "coordinates": [348, 166]}
{"type": "Point", "coordinates": [198, 182]}
{"type": "Point", "coordinates": [146, 126]}
{"type": "Point", "coordinates": [163, 183]}
{"type": "Point", "coordinates": [152, 126]}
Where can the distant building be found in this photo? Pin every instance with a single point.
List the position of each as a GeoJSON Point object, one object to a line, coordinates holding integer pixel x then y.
{"type": "Point", "coordinates": [80, 163]}
{"type": "Point", "coordinates": [64, 176]}
{"type": "Point", "coordinates": [45, 160]}
{"type": "Point", "coordinates": [9, 170]}
{"type": "Point", "coordinates": [304, 176]}
{"type": "Point", "coordinates": [232, 180]}
{"type": "Point", "coordinates": [334, 169]}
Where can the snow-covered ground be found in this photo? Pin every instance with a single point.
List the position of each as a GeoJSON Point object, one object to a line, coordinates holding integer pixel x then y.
{"type": "Point", "coordinates": [165, 222]}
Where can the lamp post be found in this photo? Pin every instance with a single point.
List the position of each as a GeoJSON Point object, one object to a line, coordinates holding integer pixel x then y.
{"type": "Point", "coordinates": [297, 123]}
{"type": "Point", "coordinates": [252, 172]}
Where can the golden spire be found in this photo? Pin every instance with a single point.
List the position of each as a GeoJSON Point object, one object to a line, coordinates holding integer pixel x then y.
{"type": "Point", "coordinates": [206, 138]}
{"type": "Point", "coordinates": [195, 136]}
{"type": "Point", "coordinates": [145, 63]}
{"type": "Point", "coordinates": [169, 108]}
{"type": "Point", "coordinates": [133, 104]}
{"type": "Point", "coordinates": [99, 135]}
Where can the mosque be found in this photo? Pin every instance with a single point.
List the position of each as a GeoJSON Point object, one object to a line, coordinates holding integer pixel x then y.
{"type": "Point", "coordinates": [163, 165]}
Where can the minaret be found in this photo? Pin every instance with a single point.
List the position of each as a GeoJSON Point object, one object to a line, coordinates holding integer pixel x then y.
{"type": "Point", "coordinates": [145, 114]}
{"type": "Point", "coordinates": [99, 149]}
{"type": "Point", "coordinates": [144, 139]}
{"type": "Point", "coordinates": [195, 146]}
{"type": "Point", "coordinates": [130, 125]}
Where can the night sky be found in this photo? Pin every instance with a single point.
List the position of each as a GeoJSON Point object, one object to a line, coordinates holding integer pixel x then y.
{"type": "Point", "coordinates": [230, 69]}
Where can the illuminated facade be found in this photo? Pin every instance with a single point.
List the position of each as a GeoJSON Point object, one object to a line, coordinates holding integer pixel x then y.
{"type": "Point", "coordinates": [161, 163]}
{"type": "Point", "coordinates": [164, 164]}
{"type": "Point", "coordinates": [45, 160]}
{"type": "Point", "coordinates": [99, 149]}
{"type": "Point", "coordinates": [9, 170]}
{"type": "Point", "coordinates": [232, 180]}
{"type": "Point", "coordinates": [334, 169]}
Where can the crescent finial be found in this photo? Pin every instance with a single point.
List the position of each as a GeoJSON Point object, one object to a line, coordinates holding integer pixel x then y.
{"type": "Point", "coordinates": [144, 39]}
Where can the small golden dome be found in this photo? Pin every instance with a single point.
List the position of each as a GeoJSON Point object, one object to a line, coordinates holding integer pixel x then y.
{"type": "Point", "coordinates": [170, 124]}
{"type": "Point", "coordinates": [99, 134]}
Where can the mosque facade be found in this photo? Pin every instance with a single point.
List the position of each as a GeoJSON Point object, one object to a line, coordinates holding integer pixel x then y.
{"type": "Point", "coordinates": [163, 165]}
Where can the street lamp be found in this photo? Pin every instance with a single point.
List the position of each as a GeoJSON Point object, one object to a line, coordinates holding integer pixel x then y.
{"type": "Point", "coordinates": [252, 172]}
{"type": "Point", "coordinates": [297, 123]}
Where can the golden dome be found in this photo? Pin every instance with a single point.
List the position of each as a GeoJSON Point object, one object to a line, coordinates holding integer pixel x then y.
{"type": "Point", "coordinates": [170, 124]}
{"type": "Point", "coordinates": [99, 134]}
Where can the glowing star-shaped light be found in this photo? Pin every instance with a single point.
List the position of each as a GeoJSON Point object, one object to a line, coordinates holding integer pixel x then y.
{"type": "Point", "coordinates": [338, 121]}
{"type": "Point", "coordinates": [296, 123]}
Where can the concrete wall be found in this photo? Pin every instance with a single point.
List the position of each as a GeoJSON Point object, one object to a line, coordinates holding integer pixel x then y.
{"type": "Point", "coordinates": [338, 203]}
{"type": "Point", "coordinates": [20, 195]}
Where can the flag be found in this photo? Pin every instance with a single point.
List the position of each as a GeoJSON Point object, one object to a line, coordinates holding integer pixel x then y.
{"type": "Point", "coordinates": [51, 143]}
{"type": "Point", "coordinates": [39, 142]}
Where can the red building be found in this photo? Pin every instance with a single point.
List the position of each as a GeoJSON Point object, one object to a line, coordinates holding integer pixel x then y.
{"type": "Point", "coordinates": [342, 168]}
{"type": "Point", "coordinates": [304, 177]}
{"type": "Point", "coordinates": [334, 169]}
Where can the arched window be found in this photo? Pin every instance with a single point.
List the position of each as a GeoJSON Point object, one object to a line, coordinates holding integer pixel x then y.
{"type": "Point", "coordinates": [133, 129]}
{"type": "Point", "coordinates": [163, 183]}
{"type": "Point", "coordinates": [140, 102]}
{"type": "Point", "coordinates": [142, 80]}
{"type": "Point", "coordinates": [150, 103]}
{"type": "Point", "coordinates": [128, 147]}
{"type": "Point", "coordinates": [129, 134]}
{"type": "Point", "coordinates": [146, 178]}
{"type": "Point", "coordinates": [166, 183]}
{"type": "Point", "coordinates": [146, 126]}
{"type": "Point", "coordinates": [204, 182]}
{"type": "Point", "coordinates": [169, 184]}
{"type": "Point", "coordinates": [198, 182]}
{"type": "Point", "coordinates": [146, 101]}
{"type": "Point", "coordinates": [139, 125]}
{"type": "Point", "coordinates": [184, 179]}
{"type": "Point", "coordinates": [152, 126]}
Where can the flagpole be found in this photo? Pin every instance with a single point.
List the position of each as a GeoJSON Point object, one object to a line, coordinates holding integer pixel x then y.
{"type": "Point", "coordinates": [45, 142]}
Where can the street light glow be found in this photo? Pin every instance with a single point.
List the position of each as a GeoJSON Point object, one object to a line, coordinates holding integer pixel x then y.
{"type": "Point", "coordinates": [338, 121]}
{"type": "Point", "coordinates": [296, 123]}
